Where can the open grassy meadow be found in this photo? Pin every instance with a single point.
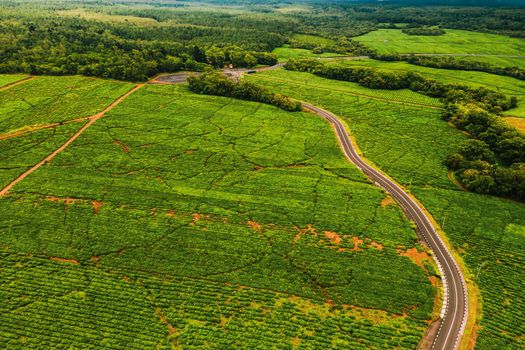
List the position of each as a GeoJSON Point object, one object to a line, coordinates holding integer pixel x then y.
{"type": "Point", "coordinates": [453, 42]}
{"type": "Point", "coordinates": [409, 143]}
{"type": "Point", "coordinates": [182, 220]}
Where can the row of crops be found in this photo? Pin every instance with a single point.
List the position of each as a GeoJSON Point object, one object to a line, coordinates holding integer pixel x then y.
{"type": "Point", "coordinates": [47, 100]}
{"type": "Point", "coordinates": [410, 145]}
{"type": "Point", "coordinates": [48, 304]}
{"type": "Point", "coordinates": [180, 220]}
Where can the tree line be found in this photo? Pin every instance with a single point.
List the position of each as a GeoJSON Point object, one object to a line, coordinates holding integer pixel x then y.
{"type": "Point", "coordinates": [376, 79]}
{"type": "Point", "coordinates": [428, 31]}
{"type": "Point", "coordinates": [212, 82]}
{"type": "Point", "coordinates": [492, 162]}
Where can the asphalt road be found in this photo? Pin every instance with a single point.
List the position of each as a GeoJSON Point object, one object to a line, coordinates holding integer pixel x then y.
{"type": "Point", "coordinates": [454, 311]}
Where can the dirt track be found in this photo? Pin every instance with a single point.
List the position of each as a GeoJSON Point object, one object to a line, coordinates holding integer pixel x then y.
{"type": "Point", "coordinates": [8, 86]}
{"type": "Point", "coordinates": [91, 121]}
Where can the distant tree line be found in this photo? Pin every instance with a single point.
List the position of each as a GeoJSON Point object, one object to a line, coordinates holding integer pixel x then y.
{"type": "Point", "coordinates": [493, 162]}
{"type": "Point", "coordinates": [216, 83]}
{"type": "Point", "coordinates": [429, 31]}
{"type": "Point", "coordinates": [57, 45]}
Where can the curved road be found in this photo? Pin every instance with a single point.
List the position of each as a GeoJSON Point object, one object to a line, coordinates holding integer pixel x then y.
{"type": "Point", "coordinates": [454, 311]}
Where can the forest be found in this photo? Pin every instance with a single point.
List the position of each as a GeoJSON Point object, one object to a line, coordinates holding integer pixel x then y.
{"type": "Point", "coordinates": [56, 38]}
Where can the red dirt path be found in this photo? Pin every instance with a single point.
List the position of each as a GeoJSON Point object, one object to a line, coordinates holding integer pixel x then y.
{"type": "Point", "coordinates": [91, 121]}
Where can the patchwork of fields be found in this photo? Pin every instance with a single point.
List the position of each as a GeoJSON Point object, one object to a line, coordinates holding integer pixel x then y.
{"type": "Point", "coordinates": [409, 143]}
{"type": "Point", "coordinates": [186, 220]}
{"type": "Point", "coordinates": [507, 85]}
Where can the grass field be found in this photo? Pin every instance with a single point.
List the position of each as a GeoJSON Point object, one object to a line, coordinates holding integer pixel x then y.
{"type": "Point", "coordinates": [20, 153]}
{"type": "Point", "coordinates": [206, 221]}
{"type": "Point", "coordinates": [6, 79]}
{"type": "Point", "coordinates": [47, 100]}
{"type": "Point", "coordinates": [286, 53]}
{"type": "Point", "coordinates": [453, 42]}
{"type": "Point", "coordinates": [507, 85]}
{"type": "Point", "coordinates": [410, 145]}
{"type": "Point", "coordinates": [303, 39]}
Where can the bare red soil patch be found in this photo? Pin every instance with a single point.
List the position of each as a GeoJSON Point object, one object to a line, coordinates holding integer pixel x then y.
{"type": "Point", "coordinates": [357, 243]}
{"type": "Point", "coordinates": [333, 237]}
{"type": "Point", "coordinates": [376, 245]}
{"type": "Point", "coordinates": [416, 256]}
{"type": "Point", "coordinates": [386, 202]}
{"type": "Point", "coordinates": [62, 260]}
{"type": "Point", "coordinates": [96, 206]}
{"type": "Point", "coordinates": [255, 225]}
{"type": "Point", "coordinates": [517, 122]}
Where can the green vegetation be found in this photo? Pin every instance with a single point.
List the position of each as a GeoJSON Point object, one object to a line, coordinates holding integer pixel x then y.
{"type": "Point", "coordinates": [215, 83]}
{"type": "Point", "coordinates": [10, 79]}
{"type": "Point", "coordinates": [224, 203]}
{"type": "Point", "coordinates": [285, 53]}
{"type": "Point", "coordinates": [410, 144]}
{"type": "Point", "coordinates": [404, 96]}
{"type": "Point", "coordinates": [453, 42]}
{"type": "Point", "coordinates": [19, 153]}
{"type": "Point", "coordinates": [377, 79]}
{"type": "Point", "coordinates": [508, 86]}
{"type": "Point", "coordinates": [428, 31]}
{"type": "Point", "coordinates": [494, 162]}
{"type": "Point", "coordinates": [48, 100]}
{"type": "Point", "coordinates": [302, 40]}
{"type": "Point", "coordinates": [468, 65]}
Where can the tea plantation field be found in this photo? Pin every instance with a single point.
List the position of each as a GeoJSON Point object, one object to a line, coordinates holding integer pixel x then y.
{"type": "Point", "coordinates": [507, 85]}
{"type": "Point", "coordinates": [286, 53]}
{"type": "Point", "coordinates": [410, 144]}
{"type": "Point", "coordinates": [189, 221]}
{"type": "Point", "coordinates": [6, 79]}
{"type": "Point", "coordinates": [46, 100]}
{"type": "Point", "coordinates": [453, 42]}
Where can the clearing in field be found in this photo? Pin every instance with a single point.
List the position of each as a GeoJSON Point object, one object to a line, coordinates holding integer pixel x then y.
{"type": "Point", "coordinates": [410, 145]}
{"type": "Point", "coordinates": [453, 42]}
{"type": "Point", "coordinates": [225, 222]}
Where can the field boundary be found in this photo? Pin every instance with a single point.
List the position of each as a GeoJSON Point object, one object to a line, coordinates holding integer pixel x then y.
{"type": "Point", "coordinates": [352, 93]}
{"type": "Point", "coordinates": [35, 128]}
{"type": "Point", "coordinates": [15, 83]}
{"type": "Point", "coordinates": [91, 121]}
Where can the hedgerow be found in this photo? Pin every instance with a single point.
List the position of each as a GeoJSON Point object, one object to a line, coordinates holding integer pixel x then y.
{"type": "Point", "coordinates": [215, 83]}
